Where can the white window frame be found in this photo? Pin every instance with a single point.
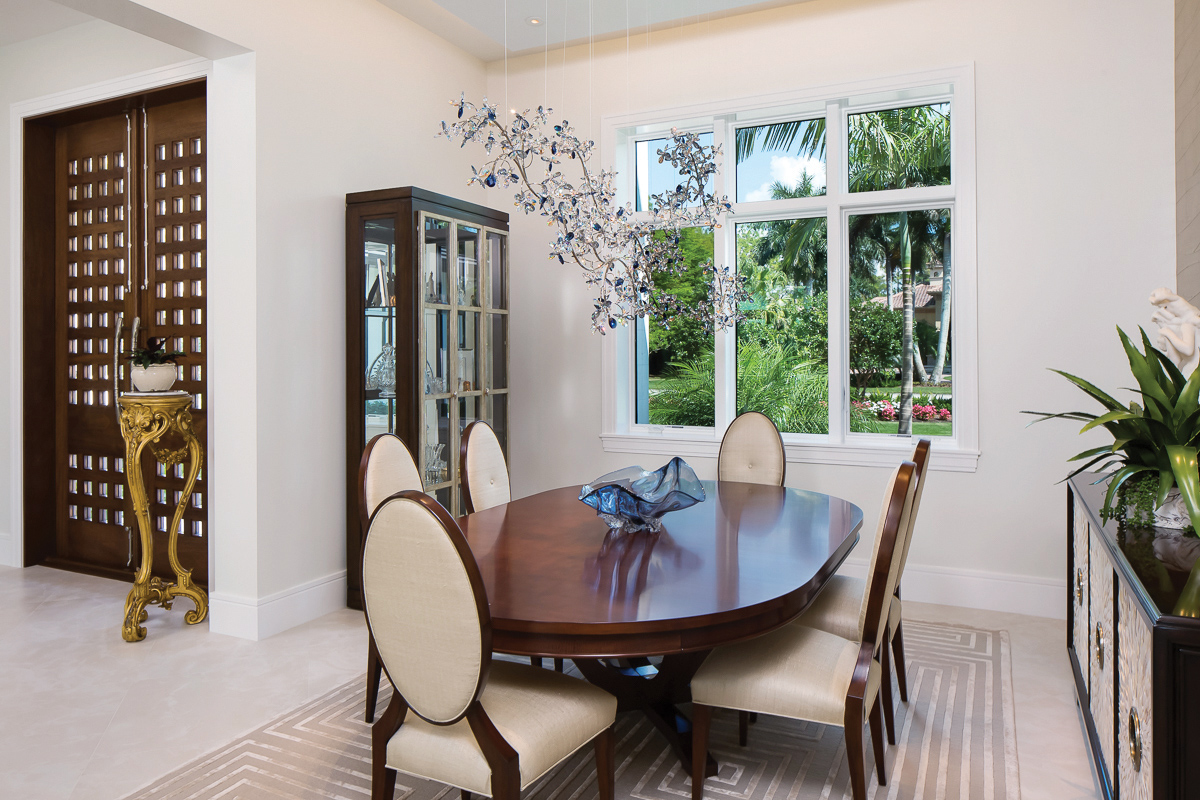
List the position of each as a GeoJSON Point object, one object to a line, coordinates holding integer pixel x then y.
{"type": "Point", "coordinates": [960, 453]}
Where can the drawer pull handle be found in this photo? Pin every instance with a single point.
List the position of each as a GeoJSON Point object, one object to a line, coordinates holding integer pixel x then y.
{"type": "Point", "coordinates": [1100, 644]}
{"type": "Point", "coordinates": [1135, 740]}
{"type": "Point", "coordinates": [1079, 585]}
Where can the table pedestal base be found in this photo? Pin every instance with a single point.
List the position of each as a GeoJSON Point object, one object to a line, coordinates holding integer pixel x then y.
{"type": "Point", "coordinates": [656, 691]}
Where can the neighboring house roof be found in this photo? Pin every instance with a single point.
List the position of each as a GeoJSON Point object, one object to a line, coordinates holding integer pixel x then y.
{"type": "Point", "coordinates": [924, 296]}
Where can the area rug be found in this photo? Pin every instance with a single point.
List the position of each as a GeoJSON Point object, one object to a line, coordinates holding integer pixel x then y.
{"type": "Point", "coordinates": [955, 740]}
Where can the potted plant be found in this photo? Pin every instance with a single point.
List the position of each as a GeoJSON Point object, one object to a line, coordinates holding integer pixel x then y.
{"type": "Point", "coordinates": [152, 368]}
{"type": "Point", "coordinates": [1154, 442]}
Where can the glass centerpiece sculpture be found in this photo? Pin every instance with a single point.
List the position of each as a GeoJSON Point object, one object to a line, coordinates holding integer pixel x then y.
{"type": "Point", "coordinates": [618, 250]}
{"type": "Point", "coordinates": [635, 499]}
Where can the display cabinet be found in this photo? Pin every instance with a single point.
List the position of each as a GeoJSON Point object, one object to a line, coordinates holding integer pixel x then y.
{"type": "Point", "coordinates": [426, 336]}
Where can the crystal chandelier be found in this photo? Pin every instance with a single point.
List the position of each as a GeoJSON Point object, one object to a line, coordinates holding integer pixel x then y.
{"type": "Point", "coordinates": [619, 251]}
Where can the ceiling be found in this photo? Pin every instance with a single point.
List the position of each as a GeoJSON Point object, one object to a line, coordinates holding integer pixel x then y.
{"type": "Point", "coordinates": [478, 26]}
{"type": "Point", "coordinates": [481, 26]}
{"type": "Point", "coordinates": [25, 19]}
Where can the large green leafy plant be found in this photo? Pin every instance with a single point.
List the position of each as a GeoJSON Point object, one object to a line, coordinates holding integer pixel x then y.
{"type": "Point", "coordinates": [1155, 438]}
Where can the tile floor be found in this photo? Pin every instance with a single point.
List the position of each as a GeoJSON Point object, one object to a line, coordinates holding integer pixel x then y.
{"type": "Point", "coordinates": [84, 714]}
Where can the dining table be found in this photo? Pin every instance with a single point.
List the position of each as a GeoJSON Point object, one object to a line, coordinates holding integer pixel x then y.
{"type": "Point", "coordinates": [637, 612]}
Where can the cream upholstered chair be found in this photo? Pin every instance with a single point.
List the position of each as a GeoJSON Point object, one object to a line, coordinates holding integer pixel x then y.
{"type": "Point", "coordinates": [484, 475]}
{"type": "Point", "coordinates": [482, 468]}
{"type": "Point", "coordinates": [486, 727]}
{"type": "Point", "coordinates": [805, 673]}
{"type": "Point", "coordinates": [386, 467]}
{"type": "Point", "coordinates": [836, 608]}
{"type": "Point", "coordinates": [752, 451]}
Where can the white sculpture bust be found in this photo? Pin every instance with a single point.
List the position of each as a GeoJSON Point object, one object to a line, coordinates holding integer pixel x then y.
{"type": "Point", "coordinates": [1177, 321]}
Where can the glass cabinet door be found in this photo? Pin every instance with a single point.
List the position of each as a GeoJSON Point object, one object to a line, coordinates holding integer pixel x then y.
{"type": "Point", "coordinates": [379, 328]}
{"type": "Point", "coordinates": [496, 335]}
{"type": "Point", "coordinates": [464, 341]}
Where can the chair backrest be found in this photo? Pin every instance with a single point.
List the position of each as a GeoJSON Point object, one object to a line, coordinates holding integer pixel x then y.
{"type": "Point", "coordinates": [752, 451]}
{"type": "Point", "coordinates": [426, 606]}
{"type": "Point", "coordinates": [920, 457]}
{"type": "Point", "coordinates": [881, 577]}
{"type": "Point", "coordinates": [386, 467]}
{"type": "Point", "coordinates": [482, 469]}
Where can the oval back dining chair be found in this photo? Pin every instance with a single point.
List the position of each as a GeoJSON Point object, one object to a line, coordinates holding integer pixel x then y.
{"type": "Point", "coordinates": [386, 467]}
{"type": "Point", "coordinates": [836, 610]}
{"type": "Point", "coordinates": [482, 468]}
{"type": "Point", "coordinates": [809, 674]}
{"type": "Point", "coordinates": [483, 473]}
{"type": "Point", "coordinates": [484, 726]}
{"type": "Point", "coordinates": [752, 451]}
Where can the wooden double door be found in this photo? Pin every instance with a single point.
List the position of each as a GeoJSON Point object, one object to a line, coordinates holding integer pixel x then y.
{"type": "Point", "coordinates": [129, 221]}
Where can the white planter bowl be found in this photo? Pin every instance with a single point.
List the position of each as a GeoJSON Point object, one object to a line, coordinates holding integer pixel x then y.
{"type": "Point", "coordinates": [154, 378]}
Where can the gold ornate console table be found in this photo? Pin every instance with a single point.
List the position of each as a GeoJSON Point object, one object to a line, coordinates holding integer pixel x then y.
{"type": "Point", "coordinates": [161, 421]}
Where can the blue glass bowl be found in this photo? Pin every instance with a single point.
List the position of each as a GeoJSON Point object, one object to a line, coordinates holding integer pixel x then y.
{"type": "Point", "coordinates": [634, 499]}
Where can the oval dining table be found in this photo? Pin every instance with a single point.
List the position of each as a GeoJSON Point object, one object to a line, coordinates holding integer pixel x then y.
{"type": "Point", "coordinates": [639, 612]}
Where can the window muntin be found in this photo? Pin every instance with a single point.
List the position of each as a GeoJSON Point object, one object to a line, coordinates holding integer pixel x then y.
{"type": "Point", "coordinates": [780, 161]}
{"type": "Point", "coordinates": [652, 176]}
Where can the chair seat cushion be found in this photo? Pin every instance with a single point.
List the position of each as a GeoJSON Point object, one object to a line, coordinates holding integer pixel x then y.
{"type": "Point", "coordinates": [545, 715]}
{"type": "Point", "coordinates": [895, 614]}
{"type": "Point", "coordinates": [796, 672]}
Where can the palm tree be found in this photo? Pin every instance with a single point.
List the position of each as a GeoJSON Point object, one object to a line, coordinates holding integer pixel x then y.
{"type": "Point", "coordinates": [891, 149]}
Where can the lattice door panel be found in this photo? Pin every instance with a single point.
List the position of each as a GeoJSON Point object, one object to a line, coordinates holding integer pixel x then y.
{"type": "Point", "coordinates": [132, 222]}
{"type": "Point", "coordinates": [172, 302]}
{"type": "Point", "coordinates": [94, 266]}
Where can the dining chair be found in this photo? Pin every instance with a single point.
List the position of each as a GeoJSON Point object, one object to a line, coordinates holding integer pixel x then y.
{"type": "Point", "coordinates": [836, 608]}
{"type": "Point", "coordinates": [483, 475]}
{"type": "Point", "coordinates": [809, 674]}
{"type": "Point", "coordinates": [487, 727]}
{"type": "Point", "coordinates": [752, 451]}
{"type": "Point", "coordinates": [386, 467]}
{"type": "Point", "coordinates": [482, 468]}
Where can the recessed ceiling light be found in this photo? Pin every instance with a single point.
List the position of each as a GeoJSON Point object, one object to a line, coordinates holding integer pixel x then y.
{"type": "Point", "coordinates": [534, 20]}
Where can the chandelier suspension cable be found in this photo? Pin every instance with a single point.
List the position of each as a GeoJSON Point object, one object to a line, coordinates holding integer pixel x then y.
{"type": "Point", "coordinates": [563, 96]}
{"type": "Point", "coordinates": [546, 55]}
{"type": "Point", "coordinates": [591, 68]}
{"type": "Point", "coordinates": [507, 108]}
{"type": "Point", "coordinates": [627, 103]}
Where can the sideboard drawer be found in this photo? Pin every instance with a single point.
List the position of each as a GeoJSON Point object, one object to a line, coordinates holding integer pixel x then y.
{"type": "Point", "coordinates": [1135, 701]}
{"type": "Point", "coordinates": [1102, 670]}
{"type": "Point", "coordinates": [1081, 630]}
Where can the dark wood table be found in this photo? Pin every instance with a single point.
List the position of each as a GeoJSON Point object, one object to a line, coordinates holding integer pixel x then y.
{"type": "Point", "coordinates": [743, 562]}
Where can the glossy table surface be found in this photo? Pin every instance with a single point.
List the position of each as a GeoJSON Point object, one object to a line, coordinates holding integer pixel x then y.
{"type": "Point", "coordinates": [746, 560]}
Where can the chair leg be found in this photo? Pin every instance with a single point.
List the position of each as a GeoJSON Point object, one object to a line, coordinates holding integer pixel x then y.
{"type": "Point", "coordinates": [558, 665]}
{"type": "Point", "coordinates": [877, 742]}
{"type": "Point", "coordinates": [743, 727]}
{"type": "Point", "coordinates": [854, 749]}
{"type": "Point", "coordinates": [374, 673]}
{"type": "Point", "coordinates": [753, 717]}
{"type": "Point", "coordinates": [701, 722]}
{"type": "Point", "coordinates": [885, 692]}
{"type": "Point", "coordinates": [535, 661]}
{"type": "Point", "coordinates": [465, 794]}
{"type": "Point", "coordinates": [384, 786]}
{"type": "Point", "coordinates": [898, 650]}
{"type": "Point", "coordinates": [606, 763]}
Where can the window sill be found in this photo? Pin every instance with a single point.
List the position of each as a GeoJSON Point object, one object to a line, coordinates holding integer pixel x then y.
{"type": "Point", "coordinates": [882, 453]}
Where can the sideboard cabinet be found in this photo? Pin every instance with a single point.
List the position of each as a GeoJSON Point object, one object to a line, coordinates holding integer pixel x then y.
{"type": "Point", "coordinates": [1136, 665]}
{"type": "Point", "coordinates": [426, 337]}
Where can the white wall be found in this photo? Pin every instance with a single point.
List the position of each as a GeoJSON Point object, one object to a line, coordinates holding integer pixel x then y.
{"type": "Point", "coordinates": [1076, 225]}
{"type": "Point", "coordinates": [1187, 146]}
{"type": "Point", "coordinates": [85, 54]}
{"type": "Point", "coordinates": [345, 97]}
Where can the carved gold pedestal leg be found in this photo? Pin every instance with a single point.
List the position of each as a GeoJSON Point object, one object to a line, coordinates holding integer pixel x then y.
{"type": "Point", "coordinates": [144, 423]}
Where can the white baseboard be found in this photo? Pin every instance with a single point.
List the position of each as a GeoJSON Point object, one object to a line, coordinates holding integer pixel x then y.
{"type": "Point", "coordinates": [8, 552]}
{"type": "Point", "coordinates": [259, 618]}
{"type": "Point", "coordinates": [970, 588]}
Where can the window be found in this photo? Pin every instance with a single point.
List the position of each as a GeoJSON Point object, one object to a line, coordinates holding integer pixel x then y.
{"type": "Point", "coordinates": [853, 225]}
